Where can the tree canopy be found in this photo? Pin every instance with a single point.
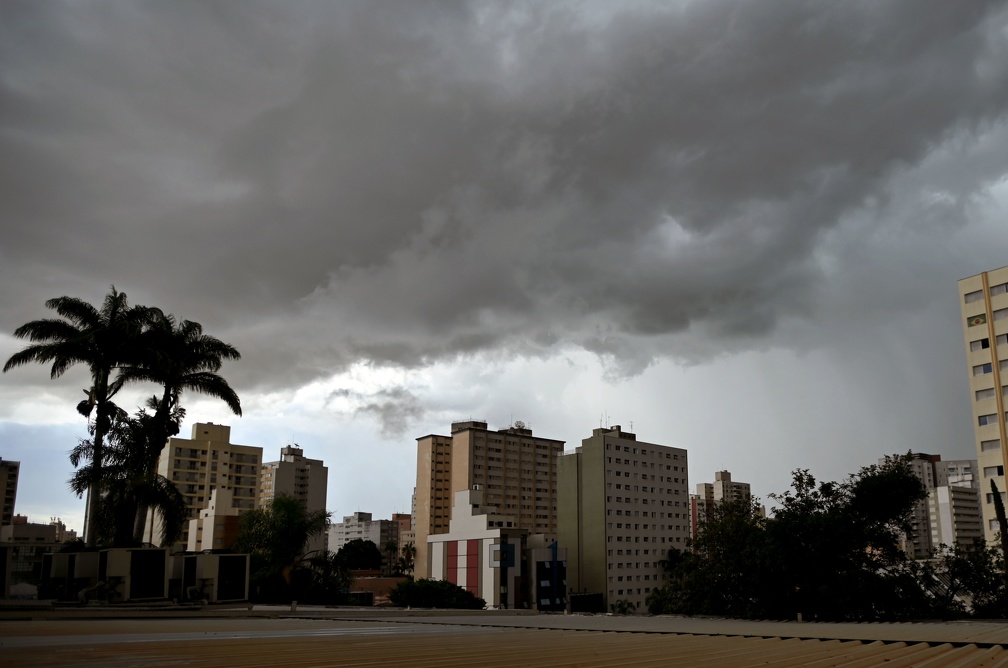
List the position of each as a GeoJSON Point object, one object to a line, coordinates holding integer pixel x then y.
{"type": "Point", "coordinates": [275, 538]}
{"type": "Point", "coordinates": [830, 552]}
{"type": "Point", "coordinates": [103, 339]}
{"type": "Point", "coordinates": [129, 482]}
{"type": "Point", "coordinates": [360, 555]}
{"type": "Point", "coordinates": [138, 344]}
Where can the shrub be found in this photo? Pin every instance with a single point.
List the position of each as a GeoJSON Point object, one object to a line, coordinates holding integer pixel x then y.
{"type": "Point", "coordinates": [425, 593]}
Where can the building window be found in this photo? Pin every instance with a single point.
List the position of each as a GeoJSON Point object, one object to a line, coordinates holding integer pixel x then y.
{"type": "Point", "coordinates": [985, 394]}
{"type": "Point", "coordinates": [974, 296]}
{"type": "Point", "coordinates": [991, 471]}
{"type": "Point", "coordinates": [999, 289]}
{"type": "Point", "coordinates": [1002, 339]}
{"type": "Point", "coordinates": [990, 497]}
{"type": "Point", "coordinates": [980, 344]}
{"type": "Point", "coordinates": [1001, 314]}
{"type": "Point", "coordinates": [981, 369]}
{"type": "Point", "coordinates": [988, 446]}
{"type": "Point", "coordinates": [975, 320]}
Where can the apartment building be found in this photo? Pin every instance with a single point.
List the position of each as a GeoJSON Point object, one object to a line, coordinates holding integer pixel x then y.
{"type": "Point", "coordinates": [983, 300]}
{"type": "Point", "coordinates": [361, 526]}
{"type": "Point", "coordinates": [955, 516]}
{"type": "Point", "coordinates": [515, 469]}
{"type": "Point", "coordinates": [623, 504]}
{"type": "Point", "coordinates": [207, 461]}
{"type": "Point", "coordinates": [216, 527]}
{"type": "Point", "coordinates": [294, 475]}
{"type": "Point", "coordinates": [432, 498]}
{"type": "Point", "coordinates": [8, 488]}
{"type": "Point", "coordinates": [709, 494]}
{"type": "Point", "coordinates": [297, 476]}
{"type": "Point", "coordinates": [951, 512]}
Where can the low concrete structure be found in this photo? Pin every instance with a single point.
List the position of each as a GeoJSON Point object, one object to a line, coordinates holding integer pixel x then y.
{"type": "Point", "coordinates": [481, 551]}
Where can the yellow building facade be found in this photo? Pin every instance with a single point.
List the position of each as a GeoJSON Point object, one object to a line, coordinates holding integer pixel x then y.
{"type": "Point", "coordinates": [984, 302]}
{"type": "Point", "coordinates": [516, 471]}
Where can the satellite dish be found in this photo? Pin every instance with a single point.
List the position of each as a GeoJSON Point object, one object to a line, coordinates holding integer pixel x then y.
{"type": "Point", "coordinates": [519, 424]}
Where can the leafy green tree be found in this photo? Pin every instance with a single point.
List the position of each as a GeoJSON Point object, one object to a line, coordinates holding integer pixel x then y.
{"type": "Point", "coordinates": [425, 593]}
{"type": "Point", "coordinates": [179, 357]}
{"type": "Point", "coordinates": [275, 538]}
{"type": "Point", "coordinates": [103, 339]}
{"type": "Point", "coordinates": [999, 512]}
{"type": "Point", "coordinates": [831, 552]}
{"type": "Point", "coordinates": [839, 543]}
{"type": "Point", "coordinates": [726, 570]}
{"type": "Point", "coordinates": [360, 555]}
{"type": "Point", "coordinates": [971, 574]}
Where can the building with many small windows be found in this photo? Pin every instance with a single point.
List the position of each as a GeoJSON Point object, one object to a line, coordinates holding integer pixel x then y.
{"type": "Point", "coordinates": [515, 469]}
{"type": "Point", "coordinates": [299, 477]}
{"type": "Point", "coordinates": [709, 494]}
{"type": "Point", "coordinates": [951, 511]}
{"type": "Point", "coordinates": [361, 526]}
{"type": "Point", "coordinates": [200, 464]}
{"type": "Point", "coordinates": [984, 302]}
{"type": "Point", "coordinates": [8, 488]}
{"type": "Point", "coordinates": [623, 504]}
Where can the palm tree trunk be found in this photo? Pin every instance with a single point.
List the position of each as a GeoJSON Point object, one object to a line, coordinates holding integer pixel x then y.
{"type": "Point", "coordinates": [158, 438]}
{"type": "Point", "coordinates": [101, 428]}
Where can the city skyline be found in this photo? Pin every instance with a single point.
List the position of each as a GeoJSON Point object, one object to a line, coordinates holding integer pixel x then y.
{"type": "Point", "coordinates": [737, 227]}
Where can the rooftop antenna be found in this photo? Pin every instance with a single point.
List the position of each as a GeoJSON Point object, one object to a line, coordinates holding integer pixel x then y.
{"type": "Point", "coordinates": [631, 426]}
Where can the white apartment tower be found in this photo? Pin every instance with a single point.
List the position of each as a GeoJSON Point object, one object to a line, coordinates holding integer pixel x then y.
{"type": "Point", "coordinates": [984, 302]}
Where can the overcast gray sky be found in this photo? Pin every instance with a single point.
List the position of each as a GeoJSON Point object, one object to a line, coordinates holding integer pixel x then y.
{"type": "Point", "coordinates": [735, 225]}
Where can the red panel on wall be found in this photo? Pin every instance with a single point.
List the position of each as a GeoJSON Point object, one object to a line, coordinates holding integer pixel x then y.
{"type": "Point", "coordinates": [473, 566]}
{"type": "Point", "coordinates": [452, 565]}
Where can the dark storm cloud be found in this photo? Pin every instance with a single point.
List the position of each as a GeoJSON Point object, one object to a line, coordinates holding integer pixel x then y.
{"type": "Point", "coordinates": [322, 183]}
{"type": "Point", "coordinates": [397, 410]}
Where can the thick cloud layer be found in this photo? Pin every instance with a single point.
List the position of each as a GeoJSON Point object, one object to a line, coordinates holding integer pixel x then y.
{"type": "Point", "coordinates": [409, 183]}
{"type": "Point", "coordinates": [470, 189]}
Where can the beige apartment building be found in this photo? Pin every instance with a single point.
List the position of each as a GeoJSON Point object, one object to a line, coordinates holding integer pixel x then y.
{"type": "Point", "coordinates": [984, 302]}
{"type": "Point", "coordinates": [202, 463]}
{"type": "Point", "coordinates": [709, 494]}
{"type": "Point", "coordinates": [623, 504]}
{"type": "Point", "coordinates": [295, 475]}
{"type": "Point", "coordinates": [216, 527]}
{"type": "Point", "coordinates": [515, 469]}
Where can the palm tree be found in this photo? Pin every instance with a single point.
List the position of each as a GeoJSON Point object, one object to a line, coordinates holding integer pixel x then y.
{"type": "Point", "coordinates": [406, 560]}
{"type": "Point", "coordinates": [127, 482]}
{"type": "Point", "coordinates": [276, 536]}
{"type": "Point", "coordinates": [103, 339]}
{"type": "Point", "coordinates": [179, 357]}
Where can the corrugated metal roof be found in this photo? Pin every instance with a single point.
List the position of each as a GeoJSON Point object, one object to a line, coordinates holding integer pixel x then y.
{"type": "Point", "coordinates": [300, 642]}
